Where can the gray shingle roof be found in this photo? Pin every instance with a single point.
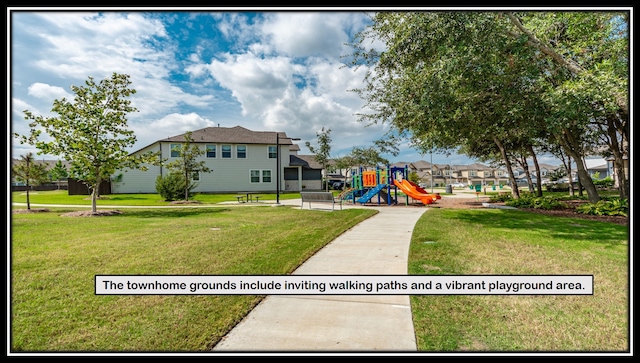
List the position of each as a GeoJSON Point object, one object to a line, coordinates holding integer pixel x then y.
{"type": "Point", "coordinates": [305, 160]}
{"type": "Point", "coordinates": [232, 135]}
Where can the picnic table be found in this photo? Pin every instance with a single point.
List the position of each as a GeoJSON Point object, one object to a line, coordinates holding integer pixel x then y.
{"type": "Point", "coordinates": [247, 196]}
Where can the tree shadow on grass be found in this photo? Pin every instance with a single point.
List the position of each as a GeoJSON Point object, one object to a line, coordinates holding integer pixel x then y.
{"type": "Point", "coordinates": [554, 227]}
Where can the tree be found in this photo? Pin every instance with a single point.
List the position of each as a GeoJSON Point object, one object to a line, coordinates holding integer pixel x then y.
{"type": "Point", "coordinates": [30, 172]}
{"type": "Point", "coordinates": [58, 172]}
{"type": "Point", "coordinates": [460, 77]}
{"type": "Point", "coordinates": [91, 132]}
{"type": "Point", "coordinates": [322, 153]}
{"type": "Point", "coordinates": [186, 164]}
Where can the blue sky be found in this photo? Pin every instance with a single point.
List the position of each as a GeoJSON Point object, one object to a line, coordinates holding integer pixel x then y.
{"type": "Point", "coordinates": [262, 70]}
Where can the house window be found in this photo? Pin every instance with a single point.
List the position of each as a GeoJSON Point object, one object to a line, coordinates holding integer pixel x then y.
{"type": "Point", "coordinates": [266, 176]}
{"type": "Point", "coordinates": [175, 150]}
{"type": "Point", "coordinates": [255, 176]}
{"type": "Point", "coordinates": [500, 173]}
{"type": "Point", "coordinates": [195, 176]}
{"type": "Point", "coordinates": [211, 151]}
{"type": "Point", "coordinates": [487, 173]}
{"type": "Point", "coordinates": [226, 151]}
{"type": "Point", "coordinates": [241, 151]}
{"type": "Point", "coordinates": [472, 173]}
{"type": "Point", "coordinates": [273, 152]}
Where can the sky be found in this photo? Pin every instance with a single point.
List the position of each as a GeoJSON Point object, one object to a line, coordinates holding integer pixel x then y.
{"type": "Point", "coordinates": [201, 67]}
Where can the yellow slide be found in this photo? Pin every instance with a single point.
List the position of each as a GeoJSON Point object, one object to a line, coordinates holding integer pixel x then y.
{"type": "Point", "coordinates": [411, 191]}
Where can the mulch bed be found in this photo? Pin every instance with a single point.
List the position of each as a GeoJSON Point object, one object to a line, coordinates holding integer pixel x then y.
{"type": "Point", "coordinates": [569, 211]}
{"type": "Point", "coordinates": [80, 213]}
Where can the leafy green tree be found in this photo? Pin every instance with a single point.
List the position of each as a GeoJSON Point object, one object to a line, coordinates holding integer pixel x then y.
{"type": "Point", "coordinates": [30, 172]}
{"type": "Point", "coordinates": [413, 176]}
{"type": "Point", "coordinates": [91, 132]}
{"type": "Point", "coordinates": [322, 153]}
{"type": "Point", "coordinates": [517, 79]}
{"type": "Point", "coordinates": [187, 165]}
{"type": "Point", "coordinates": [58, 172]}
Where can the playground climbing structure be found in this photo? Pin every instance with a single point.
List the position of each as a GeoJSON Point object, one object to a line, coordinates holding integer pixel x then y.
{"type": "Point", "coordinates": [380, 183]}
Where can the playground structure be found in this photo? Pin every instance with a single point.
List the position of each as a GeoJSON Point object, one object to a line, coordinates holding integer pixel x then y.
{"type": "Point", "coordinates": [384, 184]}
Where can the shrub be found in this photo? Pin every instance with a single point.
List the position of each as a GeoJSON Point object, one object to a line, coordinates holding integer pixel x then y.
{"type": "Point", "coordinates": [528, 200]}
{"type": "Point", "coordinates": [604, 183]}
{"type": "Point", "coordinates": [613, 207]}
{"type": "Point", "coordinates": [171, 187]}
{"type": "Point", "coordinates": [500, 198]}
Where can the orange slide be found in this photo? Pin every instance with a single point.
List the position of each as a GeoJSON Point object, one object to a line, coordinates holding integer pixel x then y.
{"type": "Point", "coordinates": [409, 189]}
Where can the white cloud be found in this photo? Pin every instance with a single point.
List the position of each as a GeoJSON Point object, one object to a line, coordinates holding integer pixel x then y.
{"type": "Point", "coordinates": [48, 92]}
{"type": "Point", "coordinates": [260, 70]}
{"type": "Point", "coordinates": [168, 126]}
{"type": "Point", "coordinates": [257, 83]}
{"type": "Point", "coordinates": [80, 45]}
{"type": "Point", "coordinates": [307, 34]}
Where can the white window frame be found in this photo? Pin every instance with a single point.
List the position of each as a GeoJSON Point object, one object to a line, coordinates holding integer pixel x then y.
{"type": "Point", "coordinates": [222, 151]}
{"type": "Point", "coordinates": [177, 148]}
{"type": "Point", "coordinates": [238, 151]}
{"type": "Point", "coordinates": [261, 176]}
{"type": "Point", "coordinates": [215, 150]}
{"type": "Point", "coordinates": [272, 152]}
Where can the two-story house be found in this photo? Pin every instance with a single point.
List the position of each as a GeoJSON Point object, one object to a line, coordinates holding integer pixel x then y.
{"type": "Point", "coordinates": [480, 174]}
{"type": "Point", "coordinates": [240, 160]}
{"type": "Point", "coordinates": [546, 173]}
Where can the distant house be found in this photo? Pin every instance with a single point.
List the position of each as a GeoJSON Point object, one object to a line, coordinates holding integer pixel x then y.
{"type": "Point", "coordinates": [480, 174]}
{"type": "Point", "coordinates": [445, 174]}
{"type": "Point", "coordinates": [311, 173]}
{"type": "Point", "coordinates": [599, 167]}
{"type": "Point", "coordinates": [49, 164]}
{"type": "Point", "coordinates": [546, 172]}
{"type": "Point", "coordinates": [241, 160]}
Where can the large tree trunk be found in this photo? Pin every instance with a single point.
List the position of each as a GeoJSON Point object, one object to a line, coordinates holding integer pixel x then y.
{"type": "Point", "coordinates": [515, 193]}
{"type": "Point", "coordinates": [615, 128]}
{"type": "Point", "coordinates": [567, 166]}
{"type": "Point", "coordinates": [538, 173]}
{"type": "Point", "coordinates": [621, 176]}
{"type": "Point", "coordinates": [525, 166]}
{"type": "Point", "coordinates": [571, 147]}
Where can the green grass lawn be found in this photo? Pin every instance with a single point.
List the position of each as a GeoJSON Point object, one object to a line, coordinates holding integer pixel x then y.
{"type": "Point", "coordinates": [54, 260]}
{"type": "Point", "coordinates": [62, 197]}
{"type": "Point", "coordinates": [508, 242]}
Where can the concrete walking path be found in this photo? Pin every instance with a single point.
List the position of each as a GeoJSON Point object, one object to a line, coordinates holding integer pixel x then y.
{"type": "Point", "coordinates": [312, 323]}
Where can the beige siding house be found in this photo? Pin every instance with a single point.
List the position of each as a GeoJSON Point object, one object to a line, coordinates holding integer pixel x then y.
{"type": "Point", "coordinates": [241, 160]}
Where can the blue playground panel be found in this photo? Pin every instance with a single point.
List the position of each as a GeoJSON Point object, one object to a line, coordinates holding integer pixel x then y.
{"type": "Point", "coordinates": [371, 193]}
